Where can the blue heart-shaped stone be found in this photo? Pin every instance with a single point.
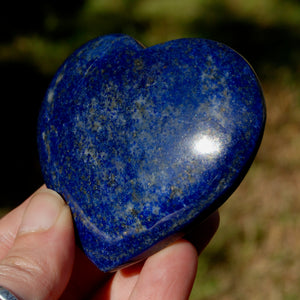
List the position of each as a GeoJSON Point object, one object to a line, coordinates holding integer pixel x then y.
{"type": "Point", "coordinates": [142, 142]}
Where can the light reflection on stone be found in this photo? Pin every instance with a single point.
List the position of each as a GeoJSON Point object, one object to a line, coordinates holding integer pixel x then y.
{"type": "Point", "coordinates": [206, 145]}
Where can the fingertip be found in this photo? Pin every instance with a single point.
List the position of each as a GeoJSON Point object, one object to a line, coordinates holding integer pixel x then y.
{"type": "Point", "coordinates": [169, 274]}
{"type": "Point", "coordinates": [39, 263]}
{"type": "Point", "coordinates": [42, 212]}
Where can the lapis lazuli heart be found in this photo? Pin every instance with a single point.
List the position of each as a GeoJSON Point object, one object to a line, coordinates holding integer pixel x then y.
{"type": "Point", "coordinates": [141, 142]}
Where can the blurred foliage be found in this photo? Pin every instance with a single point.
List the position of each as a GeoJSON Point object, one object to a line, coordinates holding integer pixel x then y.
{"type": "Point", "coordinates": [43, 33]}
{"type": "Point", "coordinates": [256, 253]}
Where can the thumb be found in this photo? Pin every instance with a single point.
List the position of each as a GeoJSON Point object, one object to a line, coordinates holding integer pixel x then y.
{"type": "Point", "coordinates": [39, 263]}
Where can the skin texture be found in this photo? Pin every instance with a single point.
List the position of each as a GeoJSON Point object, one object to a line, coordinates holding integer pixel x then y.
{"type": "Point", "coordinates": [39, 259]}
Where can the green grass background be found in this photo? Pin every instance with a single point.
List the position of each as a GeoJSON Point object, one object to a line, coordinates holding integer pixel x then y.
{"type": "Point", "coordinates": [256, 252]}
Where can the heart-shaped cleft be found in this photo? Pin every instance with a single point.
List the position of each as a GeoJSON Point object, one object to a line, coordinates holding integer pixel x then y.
{"type": "Point", "coordinates": [143, 142]}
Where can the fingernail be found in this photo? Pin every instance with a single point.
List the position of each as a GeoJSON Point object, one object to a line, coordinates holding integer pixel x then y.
{"type": "Point", "coordinates": [42, 212]}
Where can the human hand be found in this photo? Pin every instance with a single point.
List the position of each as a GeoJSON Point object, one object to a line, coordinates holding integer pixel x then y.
{"type": "Point", "coordinates": [39, 259]}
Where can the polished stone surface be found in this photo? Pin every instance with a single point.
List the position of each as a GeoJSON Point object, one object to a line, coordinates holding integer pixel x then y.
{"type": "Point", "coordinates": [141, 142]}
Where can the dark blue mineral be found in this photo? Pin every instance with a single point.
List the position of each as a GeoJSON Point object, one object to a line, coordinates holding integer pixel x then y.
{"type": "Point", "coordinates": [142, 142]}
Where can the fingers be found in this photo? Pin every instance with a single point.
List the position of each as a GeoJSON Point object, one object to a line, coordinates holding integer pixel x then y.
{"type": "Point", "coordinates": [9, 226]}
{"type": "Point", "coordinates": [121, 284]}
{"type": "Point", "coordinates": [37, 251]}
{"type": "Point", "coordinates": [169, 274]}
{"type": "Point", "coordinates": [40, 257]}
